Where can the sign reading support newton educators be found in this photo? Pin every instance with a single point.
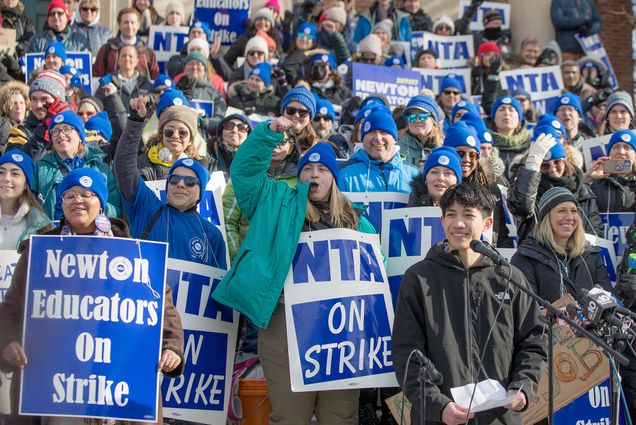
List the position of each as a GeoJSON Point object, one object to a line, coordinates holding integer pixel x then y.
{"type": "Point", "coordinates": [376, 203]}
{"type": "Point", "coordinates": [452, 51]}
{"type": "Point", "coordinates": [543, 83]}
{"type": "Point", "coordinates": [397, 85]}
{"type": "Point", "coordinates": [432, 78]}
{"type": "Point", "coordinates": [93, 323]}
{"type": "Point", "coordinates": [226, 18]}
{"type": "Point", "coordinates": [477, 23]}
{"type": "Point", "coordinates": [339, 313]}
{"type": "Point", "coordinates": [593, 46]}
{"type": "Point", "coordinates": [78, 60]}
{"type": "Point", "coordinates": [203, 393]}
{"type": "Point", "coordinates": [166, 41]}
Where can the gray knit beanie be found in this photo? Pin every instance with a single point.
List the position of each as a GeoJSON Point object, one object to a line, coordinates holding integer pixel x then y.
{"type": "Point", "coordinates": [620, 98]}
{"type": "Point", "coordinates": [552, 198]}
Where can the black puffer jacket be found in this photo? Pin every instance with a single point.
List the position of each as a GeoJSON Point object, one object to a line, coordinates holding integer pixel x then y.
{"type": "Point", "coordinates": [539, 265]}
{"type": "Point", "coordinates": [445, 310]}
{"type": "Point", "coordinates": [613, 195]}
{"type": "Point", "coordinates": [419, 196]}
{"type": "Point", "coordinates": [529, 186]}
{"type": "Point", "coordinates": [263, 103]}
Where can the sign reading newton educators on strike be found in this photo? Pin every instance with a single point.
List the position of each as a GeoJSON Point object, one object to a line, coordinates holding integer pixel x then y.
{"type": "Point", "coordinates": [593, 46]}
{"type": "Point", "coordinates": [477, 23]}
{"type": "Point", "coordinates": [432, 78]}
{"type": "Point", "coordinates": [225, 17]}
{"type": "Point", "coordinates": [543, 83]}
{"type": "Point", "coordinates": [81, 61]}
{"type": "Point", "coordinates": [452, 51]}
{"type": "Point", "coordinates": [339, 313]}
{"type": "Point", "coordinates": [93, 322]}
{"type": "Point", "coordinates": [166, 41]}
{"type": "Point", "coordinates": [203, 393]}
{"type": "Point", "coordinates": [376, 203]}
{"type": "Point", "coordinates": [397, 85]}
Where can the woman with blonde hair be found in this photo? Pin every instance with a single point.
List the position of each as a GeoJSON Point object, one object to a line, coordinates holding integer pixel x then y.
{"type": "Point", "coordinates": [556, 259]}
{"type": "Point", "coordinates": [14, 104]}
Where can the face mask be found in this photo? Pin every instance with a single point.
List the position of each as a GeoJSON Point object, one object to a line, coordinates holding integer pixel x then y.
{"type": "Point", "coordinates": [492, 33]}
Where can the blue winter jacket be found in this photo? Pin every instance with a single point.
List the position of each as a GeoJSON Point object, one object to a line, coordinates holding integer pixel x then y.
{"type": "Point", "coordinates": [97, 35]}
{"type": "Point", "coordinates": [366, 21]}
{"type": "Point", "coordinates": [568, 17]}
{"type": "Point", "coordinates": [73, 41]}
{"type": "Point", "coordinates": [364, 174]}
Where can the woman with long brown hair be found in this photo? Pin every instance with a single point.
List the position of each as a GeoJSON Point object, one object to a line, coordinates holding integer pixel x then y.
{"type": "Point", "coordinates": [299, 107]}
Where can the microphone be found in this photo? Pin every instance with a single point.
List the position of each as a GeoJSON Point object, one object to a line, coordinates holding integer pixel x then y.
{"type": "Point", "coordinates": [487, 251]}
{"type": "Point", "coordinates": [599, 305]}
{"type": "Point", "coordinates": [434, 375]}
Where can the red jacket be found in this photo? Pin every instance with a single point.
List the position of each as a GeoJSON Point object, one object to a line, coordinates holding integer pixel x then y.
{"type": "Point", "coordinates": [106, 60]}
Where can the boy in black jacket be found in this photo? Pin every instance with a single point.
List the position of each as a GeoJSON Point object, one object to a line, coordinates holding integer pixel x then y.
{"type": "Point", "coordinates": [446, 307]}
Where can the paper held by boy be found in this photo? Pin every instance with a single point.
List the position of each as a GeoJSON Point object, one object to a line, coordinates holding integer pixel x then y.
{"type": "Point", "coordinates": [489, 394]}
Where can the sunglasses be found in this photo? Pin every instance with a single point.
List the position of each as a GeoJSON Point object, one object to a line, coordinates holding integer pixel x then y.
{"type": "Point", "coordinates": [307, 37]}
{"type": "Point", "coordinates": [182, 133]}
{"type": "Point", "coordinates": [451, 93]}
{"type": "Point", "coordinates": [188, 181]}
{"type": "Point", "coordinates": [239, 126]}
{"type": "Point", "coordinates": [56, 13]}
{"type": "Point", "coordinates": [318, 118]}
{"type": "Point", "coordinates": [291, 111]}
{"type": "Point", "coordinates": [89, 9]}
{"type": "Point", "coordinates": [471, 154]}
{"type": "Point", "coordinates": [417, 117]}
{"type": "Point", "coordinates": [368, 56]}
{"type": "Point", "coordinates": [255, 53]}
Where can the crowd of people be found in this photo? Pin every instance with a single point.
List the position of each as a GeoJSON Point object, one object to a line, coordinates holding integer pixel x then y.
{"type": "Point", "coordinates": [292, 140]}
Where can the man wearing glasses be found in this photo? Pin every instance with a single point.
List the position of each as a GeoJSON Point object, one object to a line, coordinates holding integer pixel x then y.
{"type": "Point", "coordinates": [450, 92]}
{"type": "Point", "coordinates": [58, 21]}
{"type": "Point", "coordinates": [88, 24]}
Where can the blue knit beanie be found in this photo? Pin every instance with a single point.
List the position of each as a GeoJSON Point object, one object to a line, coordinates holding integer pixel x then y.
{"type": "Point", "coordinates": [569, 99]}
{"type": "Point", "coordinates": [463, 104]}
{"type": "Point", "coordinates": [199, 170]}
{"type": "Point", "coordinates": [263, 71]}
{"type": "Point", "coordinates": [444, 157]}
{"type": "Point", "coordinates": [75, 81]}
{"type": "Point", "coordinates": [171, 98]}
{"type": "Point", "coordinates": [625, 136]}
{"type": "Point", "coordinates": [101, 123]}
{"type": "Point", "coordinates": [87, 178]}
{"type": "Point", "coordinates": [366, 110]}
{"type": "Point", "coordinates": [71, 118]}
{"type": "Point", "coordinates": [308, 28]}
{"type": "Point", "coordinates": [554, 197]}
{"type": "Point", "coordinates": [162, 80]}
{"type": "Point", "coordinates": [545, 129]}
{"type": "Point", "coordinates": [506, 100]}
{"type": "Point", "coordinates": [56, 48]}
{"type": "Point", "coordinates": [23, 161]}
{"type": "Point", "coordinates": [326, 58]}
{"type": "Point", "coordinates": [376, 99]}
{"type": "Point", "coordinates": [321, 153]}
{"type": "Point", "coordinates": [552, 121]}
{"type": "Point", "coordinates": [450, 81]}
{"type": "Point", "coordinates": [474, 120]}
{"type": "Point", "coordinates": [381, 120]}
{"type": "Point", "coordinates": [325, 108]}
{"type": "Point", "coordinates": [204, 26]}
{"type": "Point", "coordinates": [423, 103]}
{"type": "Point", "coordinates": [301, 95]}
{"type": "Point", "coordinates": [556, 152]}
{"type": "Point", "coordinates": [460, 134]}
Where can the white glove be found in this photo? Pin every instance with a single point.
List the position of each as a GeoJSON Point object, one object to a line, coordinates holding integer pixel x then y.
{"type": "Point", "coordinates": [538, 150]}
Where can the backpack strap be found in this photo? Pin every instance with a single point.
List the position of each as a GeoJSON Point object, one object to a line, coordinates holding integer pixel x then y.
{"type": "Point", "coordinates": [153, 220]}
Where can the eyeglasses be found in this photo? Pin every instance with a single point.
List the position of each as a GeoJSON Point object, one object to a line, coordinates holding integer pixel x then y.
{"type": "Point", "coordinates": [56, 13]}
{"type": "Point", "coordinates": [66, 130]}
{"type": "Point", "coordinates": [182, 133]}
{"type": "Point", "coordinates": [318, 118]}
{"type": "Point", "coordinates": [255, 53]}
{"type": "Point", "coordinates": [417, 117]}
{"type": "Point", "coordinates": [474, 156]}
{"type": "Point", "coordinates": [232, 125]}
{"type": "Point", "coordinates": [368, 57]}
{"type": "Point", "coordinates": [89, 9]}
{"type": "Point", "coordinates": [451, 93]}
{"type": "Point", "coordinates": [291, 111]}
{"type": "Point", "coordinates": [188, 181]}
{"type": "Point", "coordinates": [70, 195]}
{"type": "Point", "coordinates": [307, 37]}
{"type": "Point", "coordinates": [548, 165]}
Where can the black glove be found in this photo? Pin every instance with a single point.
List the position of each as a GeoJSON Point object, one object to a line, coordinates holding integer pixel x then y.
{"type": "Point", "coordinates": [495, 65]}
{"type": "Point", "coordinates": [279, 76]}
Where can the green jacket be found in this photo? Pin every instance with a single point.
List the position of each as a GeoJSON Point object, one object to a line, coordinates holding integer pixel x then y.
{"type": "Point", "coordinates": [50, 171]}
{"type": "Point", "coordinates": [276, 213]}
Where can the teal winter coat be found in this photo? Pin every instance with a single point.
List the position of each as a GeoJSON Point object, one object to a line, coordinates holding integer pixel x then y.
{"type": "Point", "coordinates": [276, 213]}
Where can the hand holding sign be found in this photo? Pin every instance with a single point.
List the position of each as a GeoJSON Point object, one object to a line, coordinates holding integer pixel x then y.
{"type": "Point", "coordinates": [15, 355]}
{"type": "Point", "coordinates": [169, 361]}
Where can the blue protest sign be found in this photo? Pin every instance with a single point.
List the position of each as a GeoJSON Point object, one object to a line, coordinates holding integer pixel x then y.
{"type": "Point", "coordinates": [78, 60]}
{"type": "Point", "coordinates": [616, 226]}
{"type": "Point", "coordinates": [166, 41]}
{"type": "Point", "coordinates": [543, 83]}
{"type": "Point", "coordinates": [432, 78]}
{"type": "Point", "coordinates": [593, 46]}
{"type": "Point", "coordinates": [397, 85]}
{"type": "Point", "coordinates": [202, 393]}
{"type": "Point", "coordinates": [226, 19]}
{"type": "Point", "coordinates": [8, 260]}
{"type": "Point", "coordinates": [376, 203]}
{"type": "Point", "coordinates": [93, 322]}
{"type": "Point", "coordinates": [338, 312]}
{"type": "Point", "coordinates": [607, 253]}
{"type": "Point", "coordinates": [476, 24]}
{"type": "Point", "coordinates": [593, 149]}
{"type": "Point", "coordinates": [451, 51]}
{"type": "Point", "coordinates": [205, 107]}
{"type": "Point", "coordinates": [593, 407]}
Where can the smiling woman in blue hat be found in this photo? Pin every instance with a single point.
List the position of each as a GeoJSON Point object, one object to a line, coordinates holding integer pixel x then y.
{"type": "Point", "coordinates": [266, 254]}
{"type": "Point", "coordinates": [509, 135]}
{"type": "Point", "coordinates": [423, 132]}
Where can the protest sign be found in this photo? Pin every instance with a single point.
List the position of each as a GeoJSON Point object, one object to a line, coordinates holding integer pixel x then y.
{"type": "Point", "coordinates": [205, 107]}
{"type": "Point", "coordinates": [8, 260]}
{"type": "Point", "coordinates": [452, 51]}
{"type": "Point", "coordinates": [7, 41]}
{"type": "Point", "coordinates": [593, 149]}
{"type": "Point", "coordinates": [432, 78]}
{"type": "Point", "coordinates": [339, 313]}
{"type": "Point", "coordinates": [543, 83]}
{"type": "Point", "coordinates": [397, 85]}
{"type": "Point", "coordinates": [226, 18]}
{"type": "Point", "coordinates": [616, 227]}
{"type": "Point", "coordinates": [376, 203]}
{"type": "Point", "coordinates": [607, 253]}
{"type": "Point", "coordinates": [202, 394]}
{"type": "Point", "coordinates": [476, 24]}
{"type": "Point", "coordinates": [166, 41]}
{"type": "Point", "coordinates": [81, 61]}
{"type": "Point", "coordinates": [593, 46]}
{"type": "Point", "coordinates": [93, 322]}
{"type": "Point", "coordinates": [511, 224]}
